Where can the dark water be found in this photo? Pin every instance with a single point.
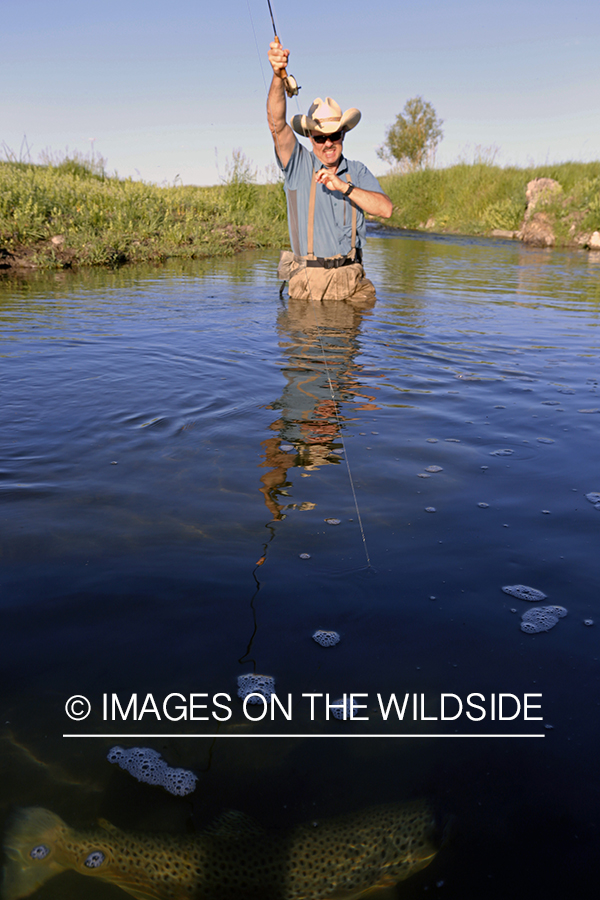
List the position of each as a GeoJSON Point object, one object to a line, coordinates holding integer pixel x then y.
{"type": "Point", "coordinates": [163, 430]}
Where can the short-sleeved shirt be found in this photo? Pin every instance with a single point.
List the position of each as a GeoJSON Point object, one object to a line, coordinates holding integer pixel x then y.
{"type": "Point", "coordinates": [333, 213]}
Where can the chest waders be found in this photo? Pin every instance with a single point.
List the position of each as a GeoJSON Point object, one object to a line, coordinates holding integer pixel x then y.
{"type": "Point", "coordinates": [313, 277]}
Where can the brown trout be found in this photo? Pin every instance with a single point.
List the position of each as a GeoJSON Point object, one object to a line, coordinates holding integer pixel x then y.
{"type": "Point", "coordinates": [343, 858]}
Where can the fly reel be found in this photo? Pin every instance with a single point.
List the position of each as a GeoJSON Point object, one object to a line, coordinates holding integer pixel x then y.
{"type": "Point", "coordinates": [291, 85]}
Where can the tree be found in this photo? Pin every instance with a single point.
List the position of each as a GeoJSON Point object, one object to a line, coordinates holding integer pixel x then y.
{"type": "Point", "coordinates": [412, 140]}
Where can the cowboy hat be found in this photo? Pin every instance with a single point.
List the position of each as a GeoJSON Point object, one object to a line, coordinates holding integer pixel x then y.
{"type": "Point", "coordinates": [325, 117]}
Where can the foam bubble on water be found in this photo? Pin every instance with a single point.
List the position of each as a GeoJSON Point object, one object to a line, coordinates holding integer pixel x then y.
{"type": "Point", "coordinates": [523, 592]}
{"type": "Point", "coordinates": [255, 684]}
{"type": "Point", "coordinates": [559, 611]}
{"type": "Point", "coordinates": [539, 619]}
{"type": "Point", "coordinates": [149, 767]}
{"type": "Point", "coordinates": [503, 452]}
{"type": "Point", "coordinates": [326, 638]}
{"type": "Point", "coordinates": [588, 621]}
{"type": "Point", "coordinates": [333, 521]}
{"type": "Point", "coordinates": [594, 410]}
{"type": "Point", "coordinates": [565, 391]}
{"type": "Point", "coordinates": [176, 781]}
{"type": "Point", "coordinates": [286, 447]}
{"type": "Point", "coordinates": [483, 505]}
{"type": "Point", "coordinates": [338, 712]}
{"type": "Point", "coordinates": [434, 469]}
{"type": "Point", "coordinates": [423, 475]}
{"type": "Point", "coordinates": [430, 509]}
{"type": "Point", "coordinates": [551, 402]}
{"type": "Point", "coordinates": [593, 497]}
{"type": "Point", "coordinates": [541, 612]}
{"type": "Point", "coordinates": [499, 407]}
{"type": "Point", "coordinates": [432, 440]}
{"type": "Point", "coordinates": [545, 440]}
{"type": "Point", "coordinates": [304, 555]}
{"type": "Point", "coordinates": [143, 763]}
{"type": "Point", "coordinates": [453, 440]}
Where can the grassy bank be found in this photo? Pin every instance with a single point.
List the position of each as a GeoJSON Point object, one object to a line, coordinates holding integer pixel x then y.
{"type": "Point", "coordinates": [480, 197]}
{"type": "Point", "coordinates": [71, 213]}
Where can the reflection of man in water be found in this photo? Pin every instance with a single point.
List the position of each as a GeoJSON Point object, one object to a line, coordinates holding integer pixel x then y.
{"type": "Point", "coordinates": [307, 430]}
{"type": "Point", "coordinates": [327, 196]}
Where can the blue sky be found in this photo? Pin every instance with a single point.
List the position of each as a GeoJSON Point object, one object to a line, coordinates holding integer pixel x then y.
{"type": "Point", "coordinates": [170, 89]}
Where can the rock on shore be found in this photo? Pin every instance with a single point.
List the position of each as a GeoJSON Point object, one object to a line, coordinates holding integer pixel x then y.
{"type": "Point", "coordinates": [537, 229]}
{"type": "Point", "coordinates": [537, 226]}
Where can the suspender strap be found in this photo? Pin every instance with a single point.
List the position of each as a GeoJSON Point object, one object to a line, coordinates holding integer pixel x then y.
{"type": "Point", "coordinates": [311, 219]}
{"type": "Point", "coordinates": [353, 205]}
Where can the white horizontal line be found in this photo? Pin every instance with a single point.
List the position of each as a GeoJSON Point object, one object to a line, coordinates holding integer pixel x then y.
{"type": "Point", "coordinates": [347, 736]}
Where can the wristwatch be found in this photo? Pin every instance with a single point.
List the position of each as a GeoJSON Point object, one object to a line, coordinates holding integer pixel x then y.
{"type": "Point", "coordinates": [349, 191]}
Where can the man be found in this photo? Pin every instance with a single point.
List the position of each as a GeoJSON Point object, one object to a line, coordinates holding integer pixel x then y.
{"type": "Point", "coordinates": [327, 225]}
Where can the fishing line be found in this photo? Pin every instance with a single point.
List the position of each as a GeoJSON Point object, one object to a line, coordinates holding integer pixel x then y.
{"type": "Point", "coordinates": [262, 71]}
{"type": "Point", "coordinates": [336, 414]}
{"type": "Point", "coordinates": [338, 421]}
{"type": "Point", "coordinates": [246, 656]}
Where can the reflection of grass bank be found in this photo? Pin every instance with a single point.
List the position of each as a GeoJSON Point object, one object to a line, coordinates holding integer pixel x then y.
{"type": "Point", "coordinates": [481, 197]}
{"type": "Point", "coordinates": [71, 213]}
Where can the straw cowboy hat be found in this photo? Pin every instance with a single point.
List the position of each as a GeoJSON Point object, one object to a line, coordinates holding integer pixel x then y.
{"type": "Point", "coordinates": [325, 117]}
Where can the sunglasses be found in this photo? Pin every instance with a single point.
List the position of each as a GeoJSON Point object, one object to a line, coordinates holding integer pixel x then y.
{"type": "Point", "coordinates": [334, 138]}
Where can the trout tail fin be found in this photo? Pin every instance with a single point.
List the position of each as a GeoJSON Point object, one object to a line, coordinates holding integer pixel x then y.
{"type": "Point", "coordinates": [30, 846]}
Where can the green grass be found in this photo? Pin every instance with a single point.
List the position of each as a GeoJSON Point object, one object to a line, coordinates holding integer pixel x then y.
{"type": "Point", "coordinates": [98, 219]}
{"type": "Point", "coordinates": [477, 198]}
{"type": "Point", "coordinates": [107, 220]}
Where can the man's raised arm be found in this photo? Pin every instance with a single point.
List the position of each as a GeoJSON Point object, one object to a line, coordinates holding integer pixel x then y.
{"type": "Point", "coordinates": [283, 136]}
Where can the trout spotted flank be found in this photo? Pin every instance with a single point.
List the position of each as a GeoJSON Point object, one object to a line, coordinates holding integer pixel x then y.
{"type": "Point", "coordinates": [339, 858]}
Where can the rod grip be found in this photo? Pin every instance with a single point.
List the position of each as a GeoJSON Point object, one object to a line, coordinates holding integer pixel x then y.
{"type": "Point", "coordinates": [282, 72]}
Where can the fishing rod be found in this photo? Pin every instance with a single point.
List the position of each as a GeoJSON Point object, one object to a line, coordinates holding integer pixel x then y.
{"type": "Point", "coordinates": [291, 85]}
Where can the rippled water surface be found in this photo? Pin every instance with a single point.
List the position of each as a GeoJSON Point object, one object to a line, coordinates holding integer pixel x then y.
{"type": "Point", "coordinates": [174, 439]}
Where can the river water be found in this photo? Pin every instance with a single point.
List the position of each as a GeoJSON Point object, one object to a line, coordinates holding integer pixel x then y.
{"type": "Point", "coordinates": [174, 438]}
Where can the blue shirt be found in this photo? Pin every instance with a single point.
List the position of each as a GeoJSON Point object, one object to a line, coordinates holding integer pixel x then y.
{"type": "Point", "coordinates": [333, 213]}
